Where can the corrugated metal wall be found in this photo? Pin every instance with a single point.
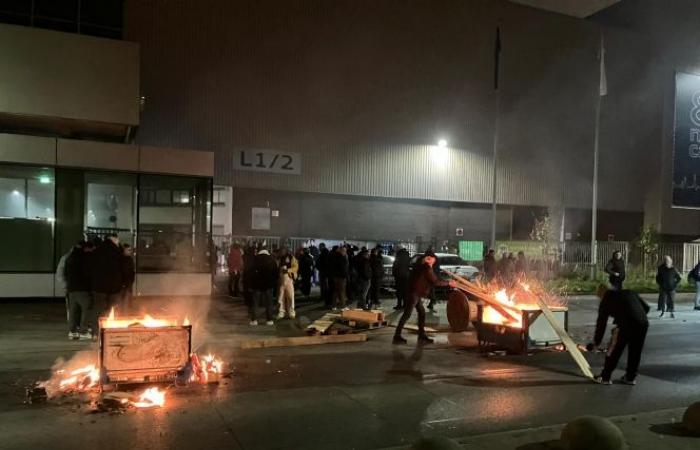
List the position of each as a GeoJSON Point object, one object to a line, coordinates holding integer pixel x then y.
{"type": "Point", "coordinates": [361, 88]}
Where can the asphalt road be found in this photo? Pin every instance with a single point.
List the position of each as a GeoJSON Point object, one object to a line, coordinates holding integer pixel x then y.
{"type": "Point", "coordinates": [344, 396]}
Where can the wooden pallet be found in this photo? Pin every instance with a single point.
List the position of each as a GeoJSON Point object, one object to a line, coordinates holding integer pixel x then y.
{"type": "Point", "coordinates": [361, 324]}
{"type": "Point", "coordinates": [323, 325]}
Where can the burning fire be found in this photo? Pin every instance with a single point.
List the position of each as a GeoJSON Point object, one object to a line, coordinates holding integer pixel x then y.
{"type": "Point", "coordinates": [150, 398]}
{"type": "Point", "coordinates": [520, 298]}
{"type": "Point", "coordinates": [146, 321]}
{"type": "Point", "coordinates": [206, 369]}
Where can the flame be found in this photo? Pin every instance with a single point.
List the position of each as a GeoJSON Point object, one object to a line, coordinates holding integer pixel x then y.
{"type": "Point", "coordinates": [146, 321]}
{"type": "Point", "coordinates": [206, 369]}
{"type": "Point", "coordinates": [186, 322]}
{"type": "Point", "coordinates": [512, 300]}
{"type": "Point", "coordinates": [150, 398]}
{"type": "Point", "coordinates": [76, 380]}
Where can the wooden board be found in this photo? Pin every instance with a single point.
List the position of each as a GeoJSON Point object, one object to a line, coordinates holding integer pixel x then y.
{"type": "Point", "coordinates": [361, 324]}
{"type": "Point", "coordinates": [566, 339]}
{"type": "Point", "coordinates": [374, 315]}
{"type": "Point", "coordinates": [303, 340]}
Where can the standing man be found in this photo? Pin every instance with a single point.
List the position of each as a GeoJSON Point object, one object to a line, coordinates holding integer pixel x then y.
{"type": "Point", "coordinates": [630, 314]}
{"type": "Point", "coordinates": [377, 263]}
{"type": "Point", "coordinates": [694, 278]}
{"type": "Point", "coordinates": [77, 277]}
{"type": "Point", "coordinates": [490, 265]}
{"type": "Point", "coordinates": [315, 252]}
{"type": "Point", "coordinates": [667, 277]}
{"type": "Point", "coordinates": [323, 265]}
{"type": "Point", "coordinates": [306, 272]}
{"type": "Point", "coordinates": [129, 275]}
{"type": "Point", "coordinates": [264, 278]}
{"type": "Point", "coordinates": [235, 269]}
{"type": "Point", "coordinates": [340, 269]}
{"type": "Point", "coordinates": [615, 268]}
{"type": "Point", "coordinates": [106, 277]}
{"type": "Point", "coordinates": [400, 270]}
{"type": "Point", "coordinates": [521, 265]}
{"type": "Point", "coordinates": [364, 278]}
{"type": "Point", "coordinates": [289, 268]}
{"type": "Point", "coordinates": [421, 281]}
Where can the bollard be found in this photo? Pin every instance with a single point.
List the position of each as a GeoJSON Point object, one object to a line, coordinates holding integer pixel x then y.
{"type": "Point", "coordinates": [435, 443]}
{"type": "Point", "coordinates": [592, 432]}
{"type": "Point", "coordinates": [691, 419]}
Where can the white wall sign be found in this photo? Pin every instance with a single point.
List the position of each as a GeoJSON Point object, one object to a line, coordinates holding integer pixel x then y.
{"type": "Point", "coordinates": [268, 161]}
{"type": "Point", "coordinates": [261, 219]}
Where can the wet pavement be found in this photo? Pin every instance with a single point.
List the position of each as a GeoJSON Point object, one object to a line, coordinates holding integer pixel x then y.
{"type": "Point", "coordinates": [344, 396]}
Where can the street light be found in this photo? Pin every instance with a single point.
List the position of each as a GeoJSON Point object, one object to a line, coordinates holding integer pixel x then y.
{"type": "Point", "coordinates": [442, 143]}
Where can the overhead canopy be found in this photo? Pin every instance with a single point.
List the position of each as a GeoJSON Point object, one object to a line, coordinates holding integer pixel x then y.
{"type": "Point", "coordinates": [576, 8]}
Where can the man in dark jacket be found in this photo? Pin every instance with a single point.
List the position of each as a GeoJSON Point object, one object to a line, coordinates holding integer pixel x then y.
{"type": "Point", "coordinates": [490, 265]}
{"type": "Point", "coordinates": [340, 270]}
{"type": "Point", "coordinates": [306, 271]}
{"type": "Point", "coordinates": [401, 270]}
{"type": "Point", "coordinates": [377, 264]}
{"type": "Point", "coordinates": [667, 277]}
{"type": "Point", "coordinates": [694, 279]}
{"type": "Point", "coordinates": [364, 278]}
{"type": "Point", "coordinates": [421, 281]}
{"type": "Point", "coordinates": [129, 275]}
{"type": "Point", "coordinates": [106, 276]}
{"type": "Point", "coordinates": [615, 268]}
{"type": "Point", "coordinates": [77, 276]}
{"type": "Point", "coordinates": [323, 266]}
{"type": "Point", "coordinates": [629, 312]}
{"type": "Point", "coordinates": [264, 280]}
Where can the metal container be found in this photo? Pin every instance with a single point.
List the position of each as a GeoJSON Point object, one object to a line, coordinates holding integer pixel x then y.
{"type": "Point", "coordinates": [536, 332]}
{"type": "Point", "coordinates": [140, 354]}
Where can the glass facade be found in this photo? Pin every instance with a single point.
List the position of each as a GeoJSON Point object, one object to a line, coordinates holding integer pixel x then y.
{"type": "Point", "coordinates": [45, 211]}
{"type": "Point", "coordinates": [27, 216]}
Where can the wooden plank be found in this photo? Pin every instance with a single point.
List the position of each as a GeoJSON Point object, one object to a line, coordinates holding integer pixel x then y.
{"type": "Point", "coordinates": [365, 316]}
{"type": "Point", "coordinates": [509, 313]}
{"type": "Point", "coordinates": [322, 324]}
{"type": "Point", "coordinates": [566, 339]}
{"type": "Point", "coordinates": [303, 340]}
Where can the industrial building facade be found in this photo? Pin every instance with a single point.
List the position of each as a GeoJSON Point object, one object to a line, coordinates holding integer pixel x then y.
{"type": "Point", "coordinates": [356, 108]}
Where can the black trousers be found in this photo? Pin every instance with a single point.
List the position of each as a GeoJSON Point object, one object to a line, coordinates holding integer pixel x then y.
{"type": "Point", "coordinates": [412, 301]}
{"type": "Point", "coordinates": [234, 279]}
{"type": "Point", "coordinates": [261, 298]}
{"type": "Point", "coordinates": [633, 339]}
{"type": "Point", "coordinates": [666, 299]}
{"type": "Point", "coordinates": [306, 285]}
{"type": "Point", "coordinates": [401, 285]}
{"type": "Point", "coordinates": [326, 291]}
{"type": "Point", "coordinates": [374, 287]}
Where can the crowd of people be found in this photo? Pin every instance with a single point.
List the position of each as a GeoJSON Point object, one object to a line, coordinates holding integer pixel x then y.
{"type": "Point", "coordinates": [98, 274]}
{"type": "Point", "coordinates": [345, 274]}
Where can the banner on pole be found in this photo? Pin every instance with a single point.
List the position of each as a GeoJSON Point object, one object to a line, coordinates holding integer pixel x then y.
{"type": "Point", "coordinates": [686, 142]}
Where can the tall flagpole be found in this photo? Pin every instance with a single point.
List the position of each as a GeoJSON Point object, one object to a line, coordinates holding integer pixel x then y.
{"type": "Point", "coordinates": [603, 90]}
{"type": "Point", "coordinates": [497, 95]}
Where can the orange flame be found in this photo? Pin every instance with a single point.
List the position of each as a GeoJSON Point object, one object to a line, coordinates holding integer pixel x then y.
{"type": "Point", "coordinates": [146, 321]}
{"type": "Point", "coordinates": [186, 322]}
{"type": "Point", "coordinates": [150, 398]}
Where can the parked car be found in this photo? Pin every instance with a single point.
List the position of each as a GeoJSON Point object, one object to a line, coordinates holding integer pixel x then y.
{"type": "Point", "coordinates": [450, 263]}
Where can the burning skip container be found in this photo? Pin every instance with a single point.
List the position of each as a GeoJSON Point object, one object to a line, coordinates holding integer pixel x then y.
{"type": "Point", "coordinates": [143, 350]}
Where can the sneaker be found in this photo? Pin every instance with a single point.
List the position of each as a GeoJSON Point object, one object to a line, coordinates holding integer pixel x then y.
{"type": "Point", "coordinates": [253, 323]}
{"type": "Point", "coordinates": [399, 340]}
{"type": "Point", "coordinates": [662, 314]}
{"type": "Point", "coordinates": [425, 340]}
{"type": "Point", "coordinates": [345, 309]}
{"type": "Point", "coordinates": [673, 316]}
{"type": "Point", "coordinates": [85, 336]}
{"type": "Point", "coordinates": [74, 336]}
{"type": "Point", "coordinates": [292, 315]}
{"type": "Point", "coordinates": [397, 307]}
{"type": "Point", "coordinates": [697, 308]}
{"type": "Point", "coordinates": [269, 323]}
{"type": "Point", "coordinates": [280, 315]}
{"type": "Point", "coordinates": [624, 380]}
{"type": "Point", "coordinates": [600, 380]}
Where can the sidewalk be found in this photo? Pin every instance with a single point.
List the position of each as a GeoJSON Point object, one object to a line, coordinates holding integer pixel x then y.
{"type": "Point", "coordinates": [644, 431]}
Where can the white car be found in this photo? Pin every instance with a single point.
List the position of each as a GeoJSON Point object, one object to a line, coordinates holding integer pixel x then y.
{"type": "Point", "coordinates": [452, 263]}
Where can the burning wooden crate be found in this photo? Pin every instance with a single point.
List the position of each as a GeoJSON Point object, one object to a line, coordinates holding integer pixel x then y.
{"type": "Point", "coordinates": [143, 349]}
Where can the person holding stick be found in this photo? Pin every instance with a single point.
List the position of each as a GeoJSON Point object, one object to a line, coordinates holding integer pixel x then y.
{"type": "Point", "coordinates": [421, 281]}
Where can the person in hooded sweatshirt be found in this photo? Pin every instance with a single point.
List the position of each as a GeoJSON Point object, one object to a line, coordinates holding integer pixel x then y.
{"type": "Point", "coordinates": [667, 277]}
{"type": "Point", "coordinates": [263, 282]}
{"type": "Point", "coordinates": [615, 268]}
{"type": "Point", "coordinates": [630, 314]}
